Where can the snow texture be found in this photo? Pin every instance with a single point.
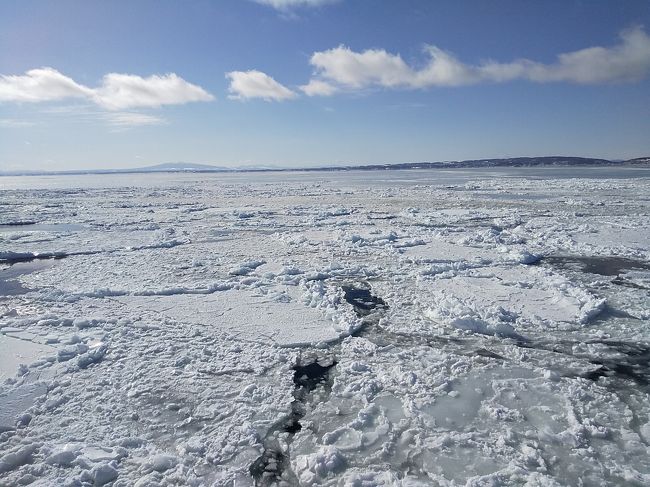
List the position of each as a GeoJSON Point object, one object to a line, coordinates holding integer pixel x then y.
{"type": "Point", "coordinates": [447, 328]}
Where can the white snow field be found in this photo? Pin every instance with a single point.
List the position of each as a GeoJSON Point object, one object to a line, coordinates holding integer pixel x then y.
{"type": "Point", "coordinates": [462, 327]}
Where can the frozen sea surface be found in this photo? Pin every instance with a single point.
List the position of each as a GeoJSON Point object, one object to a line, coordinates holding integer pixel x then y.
{"type": "Point", "coordinates": [460, 327]}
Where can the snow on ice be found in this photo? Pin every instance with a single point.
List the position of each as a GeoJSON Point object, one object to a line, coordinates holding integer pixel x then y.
{"type": "Point", "coordinates": [457, 328]}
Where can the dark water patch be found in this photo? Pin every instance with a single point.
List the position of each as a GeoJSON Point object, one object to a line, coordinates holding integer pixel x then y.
{"type": "Point", "coordinates": [568, 347]}
{"type": "Point", "coordinates": [609, 313]}
{"type": "Point", "coordinates": [18, 223]}
{"type": "Point", "coordinates": [383, 337]}
{"type": "Point", "coordinates": [619, 281]}
{"type": "Point", "coordinates": [629, 349]}
{"type": "Point", "coordinates": [380, 216]}
{"type": "Point", "coordinates": [308, 377]}
{"type": "Point", "coordinates": [268, 469]}
{"type": "Point", "coordinates": [310, 373]}
{"type": "Point", "coordinates": [603, 266]}
{"type": "Point", "coordinates": [362, 300]}
{"type": "Point", "coordinates": [635, 371]}
{"type": "Point", "coordinates": [482, 352]}
{"type": "Point", "coordinates": [628, 361]}
{"type": "Point", "coordinates": [24, 258]}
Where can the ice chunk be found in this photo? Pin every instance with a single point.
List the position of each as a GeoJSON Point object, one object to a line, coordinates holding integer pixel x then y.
{"type": "Point", "coordinates": [104, 473]}
{"type": "Point", "coordinates": [162, 462]}
{"type": "Point", "coordinates": [63, 457]}
{"type": "Point", "coordinates": [314, 468]}
{"type": "Point", "coordinates": [17, 457]}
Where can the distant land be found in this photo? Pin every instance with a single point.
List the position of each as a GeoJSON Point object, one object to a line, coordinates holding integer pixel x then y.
{"type": "Point", "coordinates": [472, 163]}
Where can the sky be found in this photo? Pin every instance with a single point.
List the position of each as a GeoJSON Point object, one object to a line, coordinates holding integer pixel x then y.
{"type": "Point", "coordinates": [91, 84]}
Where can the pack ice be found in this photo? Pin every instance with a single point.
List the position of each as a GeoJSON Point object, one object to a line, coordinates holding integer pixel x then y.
{"type": "Point", "coordinates": [360, 328]}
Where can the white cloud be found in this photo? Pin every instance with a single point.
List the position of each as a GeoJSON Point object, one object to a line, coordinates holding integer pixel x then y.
{"type": "Point", "coordinates": [359, 69]}
{"type": "Point", "coordinates": [317, 87]}
{"type": "Point", "coordinates": [284, 5]}
{"type": "Point", "coordinates": [627, 61]}
{"type": "Point", "coordinates": [132, 119]}
{"type": "Point", "coordinates": [245, 85]}
{"type": "Point", "coordinates": [117, 91]}
{"type": "Point", "coordinates": [41, 84]}
{"type": "Point", "coordinates": [346, 69]}
{"type": "Point", "coordinates": [124, 91]}
{"type": "Point", "coordinates": [443, 69]}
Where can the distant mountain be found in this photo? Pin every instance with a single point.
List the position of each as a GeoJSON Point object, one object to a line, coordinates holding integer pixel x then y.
{"type": "Point", "coordinates": [639, 160]}
{"type": "Point", "coordinates": [504, 162]}
{"type": "Point", "coordinates": [472, 163]}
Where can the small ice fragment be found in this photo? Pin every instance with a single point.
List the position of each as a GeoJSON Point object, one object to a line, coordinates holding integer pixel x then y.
{"type": "Point", "coordinates": [68, 353]}
{"type": "Point", "coordinates": [161, 462]}
{"type": "Point", "coordinates": [80, 324]}
{"type": "Point", "coordinates": [103, 474]}
{"type": "Point", "coordinates": [62, 458]}
{"type": "Point", "coordinates": [94, 355]}
{"type": "Point", "coordinates": [246, 268]}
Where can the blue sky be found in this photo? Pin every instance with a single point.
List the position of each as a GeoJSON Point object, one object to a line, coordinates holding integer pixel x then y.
{"type": "Point", "coordinates": [90, 84]}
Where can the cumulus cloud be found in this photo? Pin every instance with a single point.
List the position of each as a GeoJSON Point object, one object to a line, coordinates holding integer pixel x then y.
{"type": "Point", "coordinates": [123, 91]}
{"type": "Point", "coordinates": [359, 69]}
{"type": "Point", "coordinates": [245, 85]}
{"type": "Point", "coordinates": [117, 91]}
{"type": "Point", "coordinates": [344, 68]}
{"type": "Point", "coordinates": [41, 84]}
{"type": "Point", "coordinates": [627, 61]}
{"type": "Point", "coordinates": [284, 5]}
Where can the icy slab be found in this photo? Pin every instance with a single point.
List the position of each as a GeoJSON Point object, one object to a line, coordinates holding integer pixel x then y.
{"type": "Point", "coordinates": [612, 235]}
{"type": "Point", "coordinates": [245, 314]}
{"type": "Point", "coordinates": [441, 251]}
{"type": "Point", "coordinates": [14, 352]}
{"type": "Point", "coordinates": [497, 301]}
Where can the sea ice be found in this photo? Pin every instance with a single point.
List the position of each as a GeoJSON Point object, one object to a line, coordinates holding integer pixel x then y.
{"type": "Point", "coordinates": [454, 328]}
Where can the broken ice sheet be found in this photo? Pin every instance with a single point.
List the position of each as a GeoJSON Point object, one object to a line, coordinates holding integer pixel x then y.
{"type": "Point", "coordinates": [448, 347]}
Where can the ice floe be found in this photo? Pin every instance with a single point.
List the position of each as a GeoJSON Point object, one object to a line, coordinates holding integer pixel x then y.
{"type": "Point", "coordinates": [446, 328]}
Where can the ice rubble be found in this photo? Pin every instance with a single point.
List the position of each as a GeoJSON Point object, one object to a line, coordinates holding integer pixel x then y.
{"type": "Point", "coordinates": [161, 347]}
